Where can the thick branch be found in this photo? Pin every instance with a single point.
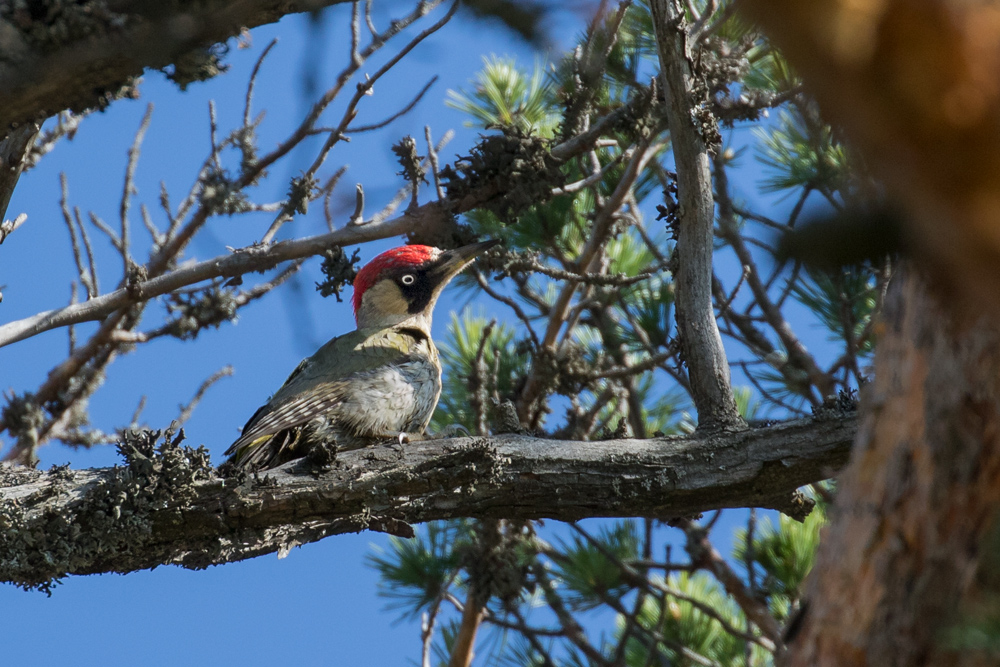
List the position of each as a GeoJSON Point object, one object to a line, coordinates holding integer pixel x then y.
{"type": "Point", "coordinates": [699, 333]}
{"type": "Point", "coordinates": [38, 80]}
{"type": "Point", "coordinates": [172, 509]}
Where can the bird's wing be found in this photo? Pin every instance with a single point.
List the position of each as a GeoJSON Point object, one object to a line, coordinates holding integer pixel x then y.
{"type": "Point", "coordinates": [320, 382]}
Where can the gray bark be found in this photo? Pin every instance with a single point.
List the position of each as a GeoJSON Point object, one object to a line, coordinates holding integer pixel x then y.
{"type": "Point", "coordinates": [80, 57]}
{"type": "Point", "coordinates": [172, 508]}
{"type": "Point", "coordinates": [13, 150]}
{"type": "Point", "coordinates": [700, 340]}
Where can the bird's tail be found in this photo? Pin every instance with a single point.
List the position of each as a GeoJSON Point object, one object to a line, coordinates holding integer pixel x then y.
{"type": "Point", "coordinates": [266, 451]}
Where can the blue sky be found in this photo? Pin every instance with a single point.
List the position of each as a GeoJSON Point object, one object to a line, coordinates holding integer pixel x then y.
{"type": "Point", "coordinates": [318, 605]}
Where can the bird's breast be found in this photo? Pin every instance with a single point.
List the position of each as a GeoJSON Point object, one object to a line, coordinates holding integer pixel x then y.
{"type": "Point", "coordinates": [393, 398]}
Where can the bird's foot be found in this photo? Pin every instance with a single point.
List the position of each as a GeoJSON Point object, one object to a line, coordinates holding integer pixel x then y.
{"type": "Point", "coordinates": [400, 438]}
{"type": "Point", "coordinates": [450, 431]}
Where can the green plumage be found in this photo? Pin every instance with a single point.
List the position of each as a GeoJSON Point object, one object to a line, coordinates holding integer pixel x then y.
{"type": "Point", "coordinates": [381, 381]}
{"type": "Point", "coordinates": [364, 385]}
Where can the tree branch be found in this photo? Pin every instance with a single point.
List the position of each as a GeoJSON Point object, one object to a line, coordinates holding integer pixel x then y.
{"type": "Point", "coordinates": [37, 81]}
{"type": "Point", "coordinates": [699, 335]}
{"type": "Point", "coordinates": [263, 257]}
{"type": "Point", "coordinates": [172, 508]}
{"type": "Point", "coordinates": [14, 148]}
{"type": "Point", "coordinates": [255, 258]}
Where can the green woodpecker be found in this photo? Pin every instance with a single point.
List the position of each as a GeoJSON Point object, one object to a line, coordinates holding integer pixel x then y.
{"type": "Point", "coordinates": [380, 381]}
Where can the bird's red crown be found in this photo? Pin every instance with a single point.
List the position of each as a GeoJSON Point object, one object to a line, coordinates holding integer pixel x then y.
{"type": "Point", "coordinates": [407, 255]}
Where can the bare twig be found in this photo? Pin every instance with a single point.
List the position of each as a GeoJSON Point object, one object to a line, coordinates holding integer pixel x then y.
{"type": "Point", "coordinates": [187, 410]}
{"type": "Point", "coordinates": [593, 178]}
{"type": "Point", "coordinates": [74, 242]}
{"type": "Point", "coordinates": [510, 303]}
{"type": "Point", "coordinates": [253, 81]}
{"type": "Point", "coordinates": [129, 188]}
{"type": "Point", "coordinates": [359, 206]}
{"type": "Point", "coordinates": [134, 422]}
{"type": "Point", "coordinates": [355, 33]}
{"type": "Point", "coordinates": [402, 112]}
{"type": "Point", "coordinates": [433, 158]}
{"type": "Point", "coordinates": [89, 249]}
{"type": "Point", "coordinates": [529, 264]}
{"type": "Point", "coordinates": [7, 227]}
{"type": "Point", "coordinates": [71, 331]}
{"type": "Point", "coordinates": [368, 18]}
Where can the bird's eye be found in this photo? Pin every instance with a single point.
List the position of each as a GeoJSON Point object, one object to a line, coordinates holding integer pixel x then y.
{"type": "Point", "coordinates": [407, 279]}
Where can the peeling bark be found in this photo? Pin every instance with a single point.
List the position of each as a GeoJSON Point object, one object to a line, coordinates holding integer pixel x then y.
{"type": "Point", "coordinates": [172, 508]}
{"type": "Point", "coordinates": [919, 500]}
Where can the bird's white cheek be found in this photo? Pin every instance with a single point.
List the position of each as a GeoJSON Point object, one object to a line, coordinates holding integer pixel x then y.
{"type": "Point", "coordinates": [382, 305]}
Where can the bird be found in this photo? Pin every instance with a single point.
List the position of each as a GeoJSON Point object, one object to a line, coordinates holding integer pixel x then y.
{"type": "Point", "coordinates": [380, 381]}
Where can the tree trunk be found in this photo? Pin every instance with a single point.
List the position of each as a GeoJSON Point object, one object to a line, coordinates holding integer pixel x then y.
{"type": "Point", "coordinates": [901, 565]}
{"type": "Point", "coordinates": [915, 84]}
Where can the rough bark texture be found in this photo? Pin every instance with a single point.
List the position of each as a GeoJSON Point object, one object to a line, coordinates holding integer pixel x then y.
{"type": "Point", "coordinates": [13, 150]}
{"type": "Point", "coordinates": [79, 54]}
{"type": "Point", "coordinates": [690, 134]}
{"type": "Point", "coordinates": [916, 86]}
{"type": "Point", "coordinates": [171, 507]}
{"type": "Point", "coordinates": [919, 499]}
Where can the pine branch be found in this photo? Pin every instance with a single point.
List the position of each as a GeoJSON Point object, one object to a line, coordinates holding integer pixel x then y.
{"type": "Point", "coordinates": [173, 508]}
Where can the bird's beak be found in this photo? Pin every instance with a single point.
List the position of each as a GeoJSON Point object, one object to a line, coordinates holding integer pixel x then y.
{"type": "Point", "coordinates": [451, 262]}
